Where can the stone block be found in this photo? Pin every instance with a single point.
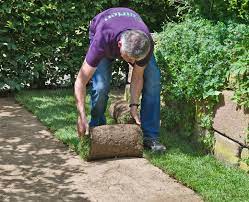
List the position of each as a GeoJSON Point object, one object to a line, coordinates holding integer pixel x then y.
{"type": "Point", "coordinates": [244, 153]}
{"type": "Point", "coordinates": [230, 119]}
{"type": "Point", "coordinates": [226, 150]}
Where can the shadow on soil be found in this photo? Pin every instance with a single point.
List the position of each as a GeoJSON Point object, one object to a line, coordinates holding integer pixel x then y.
{"type": "Point", "coordinates": [33, 165]}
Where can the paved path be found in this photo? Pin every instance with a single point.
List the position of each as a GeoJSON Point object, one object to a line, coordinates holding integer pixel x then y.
{"type": "Point", "coordinates": [34, 166]}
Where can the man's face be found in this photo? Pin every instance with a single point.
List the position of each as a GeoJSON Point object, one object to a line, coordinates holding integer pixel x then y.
{"type": "Point", "coordinates": [127, 58]}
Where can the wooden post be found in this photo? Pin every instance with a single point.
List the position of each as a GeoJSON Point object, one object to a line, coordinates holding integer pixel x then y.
{"type": "Point", "coordinates": [127, 94]}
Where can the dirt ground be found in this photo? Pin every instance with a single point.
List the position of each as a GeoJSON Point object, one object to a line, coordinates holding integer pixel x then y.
{"type": "Point", "coordinates": [34, 166]}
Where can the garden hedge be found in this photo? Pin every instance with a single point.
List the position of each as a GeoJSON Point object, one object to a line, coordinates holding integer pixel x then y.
{"type": "Point", "coordinates": [42, 41]}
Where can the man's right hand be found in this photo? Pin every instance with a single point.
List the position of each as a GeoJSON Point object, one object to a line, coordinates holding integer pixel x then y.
{"type": "Point", "coordinates": [82, 127]}
{"type": "Point", "coordinates": [85, 73]}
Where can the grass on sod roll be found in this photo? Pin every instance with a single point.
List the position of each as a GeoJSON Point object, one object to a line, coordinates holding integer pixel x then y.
{"type": "Point", "coordinates": [212, 180]}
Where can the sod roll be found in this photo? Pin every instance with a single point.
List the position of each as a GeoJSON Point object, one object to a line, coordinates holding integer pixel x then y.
{"type": "Point", "coordinates": [121, 140]}
{"type": "Point", "coordinates": [120, 112]}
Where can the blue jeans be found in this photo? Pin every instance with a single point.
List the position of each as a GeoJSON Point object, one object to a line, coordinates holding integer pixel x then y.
{"type": "Point", "coordinates": [150, 103]}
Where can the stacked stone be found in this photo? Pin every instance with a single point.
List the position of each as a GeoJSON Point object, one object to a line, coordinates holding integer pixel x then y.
{"type": "Point", "coordinates": [231, 124]}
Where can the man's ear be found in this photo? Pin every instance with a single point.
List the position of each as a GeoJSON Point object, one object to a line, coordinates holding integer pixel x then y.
{"type": "Point", "coordinates": [119, 44]}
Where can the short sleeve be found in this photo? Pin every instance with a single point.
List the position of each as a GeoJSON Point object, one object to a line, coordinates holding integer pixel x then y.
{"type": "Point", "coordinates": [96, 50]}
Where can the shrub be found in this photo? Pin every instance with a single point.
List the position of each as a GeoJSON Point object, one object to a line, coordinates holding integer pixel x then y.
{"type": "Point", "coordinates": [42, 40]}
{"type": "Point", "coordinates": [237, 42]}
{"type": "Point", "coordinates": [220, 9]}
{"type": "Point", "coordinates": [196, 57]}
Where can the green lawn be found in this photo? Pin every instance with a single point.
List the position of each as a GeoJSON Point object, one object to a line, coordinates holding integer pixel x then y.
{"type": "Point", "coordinates": [213, 181]}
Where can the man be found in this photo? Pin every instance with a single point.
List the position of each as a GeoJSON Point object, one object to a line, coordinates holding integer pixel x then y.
{"type": "Point", "coordinates": [121, 33]}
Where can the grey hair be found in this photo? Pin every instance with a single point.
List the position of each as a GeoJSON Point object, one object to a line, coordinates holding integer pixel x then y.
{"type": "Point", "coordinates": [135, 43]}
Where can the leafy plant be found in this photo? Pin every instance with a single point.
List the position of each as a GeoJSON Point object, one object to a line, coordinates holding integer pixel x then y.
{"type": "Point", "coordinates": [218, 10]}
{"type": "Point", "coordinates": [196, 56]}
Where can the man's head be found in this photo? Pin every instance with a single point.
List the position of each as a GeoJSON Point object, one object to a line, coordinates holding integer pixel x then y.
{"type": "Point", "coordinates": [134, 45]}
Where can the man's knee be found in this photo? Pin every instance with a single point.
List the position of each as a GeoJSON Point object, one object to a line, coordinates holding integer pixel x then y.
{"type": "Point", "coordinates": [101, 88]}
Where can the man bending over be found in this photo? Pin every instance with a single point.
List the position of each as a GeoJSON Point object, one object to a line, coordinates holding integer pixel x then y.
{"type": "Point", "coordinates": [121, 33]}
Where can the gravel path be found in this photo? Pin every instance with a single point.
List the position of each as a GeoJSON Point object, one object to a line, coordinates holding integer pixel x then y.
{"type": "Point", "coordinates": [34, 166]}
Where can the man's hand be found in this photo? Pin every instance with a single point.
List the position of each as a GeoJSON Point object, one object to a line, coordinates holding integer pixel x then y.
{"type": "Point", "coordinates": [134, 114]}
{"type": "Point", "coordinates": [136, 88]}
{"type": "Point", "coordinates": [83, 77]}
{"type": "Point", "coordinates": [82, 127]}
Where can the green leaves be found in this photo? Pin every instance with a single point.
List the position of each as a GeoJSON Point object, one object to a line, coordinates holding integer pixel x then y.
{"type": "Point", "coordinates": [220, 9]}
{"type": "Point", "coordinates": [194, 55]}
{"type": "Point", "coordinates": [238, 69]}
{"type": "Point", "coordinates": [199, 55]}
{"type": "Point", "coordinates": [197, 59]}
{"type": "Point", "coordinates": [30, 34]}
{"type": "Point", "coordinates": [10, 25]}
{"type": "Point", "coordinates": [211, 93]}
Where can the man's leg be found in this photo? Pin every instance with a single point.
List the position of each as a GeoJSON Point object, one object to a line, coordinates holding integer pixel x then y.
{"type": "Point", "coordinates": [150, 106]}
{"type": "Point", "coordinates": [100, 87]}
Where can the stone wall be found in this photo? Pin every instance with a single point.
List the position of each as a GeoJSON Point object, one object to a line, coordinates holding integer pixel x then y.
{"type": "Point", "coordinates": [231, 123]}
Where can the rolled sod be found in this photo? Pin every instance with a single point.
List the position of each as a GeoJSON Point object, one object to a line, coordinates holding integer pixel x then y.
{"type": "Point", "coordinates": [108, 141]}
{"type": "Point", "coordinates": [121, 140]}
{"type": "Point", "coordinates": [125, 139]}
{"type": "Point", "coordinates": [120, 112]}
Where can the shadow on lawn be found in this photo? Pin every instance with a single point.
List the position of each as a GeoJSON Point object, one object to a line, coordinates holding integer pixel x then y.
{"type": "Point", "coordinates": [33, 165]}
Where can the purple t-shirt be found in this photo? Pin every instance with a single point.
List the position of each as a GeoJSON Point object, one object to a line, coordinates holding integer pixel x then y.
{"type": "Point", "coordinates": [105, 31]}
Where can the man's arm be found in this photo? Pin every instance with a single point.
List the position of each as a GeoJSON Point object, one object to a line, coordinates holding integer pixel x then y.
{"type": "Point", "coordinates": [85, 73]}
{"type": "Point", "coordinates": [136, 89]}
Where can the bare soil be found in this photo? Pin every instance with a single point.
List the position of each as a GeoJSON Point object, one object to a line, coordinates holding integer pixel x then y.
{"type": "Point", "coordinates": [34, 166]}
